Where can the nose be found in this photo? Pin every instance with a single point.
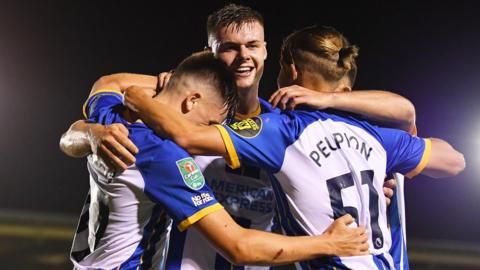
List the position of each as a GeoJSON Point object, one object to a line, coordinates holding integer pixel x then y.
{"type": "Point", "coordinates": [244, 53]}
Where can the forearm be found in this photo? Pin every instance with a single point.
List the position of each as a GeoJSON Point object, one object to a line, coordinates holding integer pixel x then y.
{"type": "Point", "coordinates": [165, 121]}
{"type": "Point", "coordinates": [444, 160]}
{"type": "Point", "coordinates": [246, 246]}
{"type": "Point", "coordinates": [122, 81]}
{"type": "Point", "coordinates": [384, 107]}
{"type": "Point", "coordinates": [75, 141]}
{"type": "Point", "coordinates": [261, 248]}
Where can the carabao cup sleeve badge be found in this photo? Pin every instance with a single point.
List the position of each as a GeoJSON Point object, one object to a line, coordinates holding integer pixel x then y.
{"type": "Point", "coordinates": [191, 174]}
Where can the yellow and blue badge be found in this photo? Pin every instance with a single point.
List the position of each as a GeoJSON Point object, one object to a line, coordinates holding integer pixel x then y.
{"type": "Point", "coordinates": [248, 128]}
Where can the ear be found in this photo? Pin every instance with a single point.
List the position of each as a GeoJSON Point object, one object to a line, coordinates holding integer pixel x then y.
{"type": "Point", "coordinates": [266, 51]}
{"type": "Point", "coordinates": [191, 101]}
{"type": "Point", "coordinates": [343, 88]}
{"type": "Point", "coordinates": [293, 71]}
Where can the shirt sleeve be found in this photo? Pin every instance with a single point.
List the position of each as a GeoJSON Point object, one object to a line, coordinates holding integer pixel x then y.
{"type": "Point", "coordinates": [406, 154]}
{"type": "Point", "coordinates": [174, 180]}
{"type": "Point", "coordinates": [100, 103]}
{"type": "Point", "coordinates": [259, 141]}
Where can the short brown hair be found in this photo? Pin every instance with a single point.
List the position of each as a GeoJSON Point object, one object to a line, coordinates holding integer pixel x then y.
{"type": "Point", "coordinates": [321, 49]}
{"type": "Point", "coordinates": [207, 69]}
{"type": "Point", "coordinates": [232, 14]}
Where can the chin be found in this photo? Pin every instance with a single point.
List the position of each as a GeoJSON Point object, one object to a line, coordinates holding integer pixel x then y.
{"type": "Point", "coordinates": [245, 83]}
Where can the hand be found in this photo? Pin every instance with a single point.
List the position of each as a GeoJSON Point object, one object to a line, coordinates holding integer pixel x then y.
{"type": "Point", "coordinates": [163, 79]}
{"type": "Point", "coordinates": [291, 96]}
{"type": "Point", "coordinates": [112, 145]}
{"type": "Point", "coordinates": [347, 241]}
{"type": "Point", "coordinates": [134, 96]}
{"type": "Point", "coordinates": [388, 187]}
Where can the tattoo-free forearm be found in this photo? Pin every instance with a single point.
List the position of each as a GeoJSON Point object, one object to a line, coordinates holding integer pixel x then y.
{"type": "Point", "coordinates": [384, 107]}
{"type": "Point", "coordinates": [246, 246]}
{"type": "Point", "coordinates": [122, 81]}
{"type": "Point", "coordinates": [195, 139]}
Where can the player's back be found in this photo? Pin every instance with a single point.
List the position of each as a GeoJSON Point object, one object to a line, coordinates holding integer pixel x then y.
{"type": "Point", "coordinates": [325, 166]}
{"type": "Point", "coordinates": [336, 166]}
{"type": "Point", "coordinates": [122, 227]}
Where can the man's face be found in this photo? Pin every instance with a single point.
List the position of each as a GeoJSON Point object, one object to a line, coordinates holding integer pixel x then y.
{"type": "Point", "coordinates": [244, 50]}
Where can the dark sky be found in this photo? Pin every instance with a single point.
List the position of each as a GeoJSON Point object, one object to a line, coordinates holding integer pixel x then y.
{"type": "Point", "coordinates": [51, 52]}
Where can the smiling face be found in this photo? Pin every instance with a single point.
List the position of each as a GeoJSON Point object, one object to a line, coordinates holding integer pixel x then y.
{"type": "Point", "coordinates": [243, 48]}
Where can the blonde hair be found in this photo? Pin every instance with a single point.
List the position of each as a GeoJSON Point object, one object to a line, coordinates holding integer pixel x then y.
{"type": "Point", "coordinates": [321, 49]}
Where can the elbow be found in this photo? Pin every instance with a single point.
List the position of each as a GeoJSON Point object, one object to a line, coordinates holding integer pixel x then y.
{"type": "Point", "coordinates": [186, 140]}
{"type": "Point", "coordinates": [241, 254]}
{"type": "Point", "coordinates": [457, 165]}
{"type": "Point", "coordinates": [108, 81]}
{"type": "Point", "coordinates": [67, 147]}
{"type": "Point", "coordinates": [454, 166]}
{"type": "Point", "coordinates": [409, 116]}
{"type": "Point", "coordinates": [183, 142]}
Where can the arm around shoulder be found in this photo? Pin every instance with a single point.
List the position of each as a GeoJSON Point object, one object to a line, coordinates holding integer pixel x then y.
{"type": "Point", "coordinates": [246, 246]}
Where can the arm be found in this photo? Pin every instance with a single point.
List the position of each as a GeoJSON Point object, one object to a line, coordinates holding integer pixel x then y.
{"type": "Point", "coordinates": [384, 107]}
{"type": "Point", "coordinates": [195, 139]}
{"type": "Point", "coordinates": [83, 138]}
{"type": "Point", "coordinates": [122, 81]}
{"type": "Point", "coordinates": [246, 246]}
{"type": "Point", "coordinates": [111, 143]}
{"type": "Point", "coordinates": [444, 160]}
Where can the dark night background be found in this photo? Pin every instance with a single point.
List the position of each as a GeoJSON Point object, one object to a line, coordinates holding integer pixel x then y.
{"type": "Point", "coordinates": [51, 52]}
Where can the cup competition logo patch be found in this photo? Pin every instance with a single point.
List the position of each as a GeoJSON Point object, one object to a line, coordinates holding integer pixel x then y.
{"type": "Point", "coordinates": [191, 174]}
{"type": "Point", "coordinates": [248, 128]}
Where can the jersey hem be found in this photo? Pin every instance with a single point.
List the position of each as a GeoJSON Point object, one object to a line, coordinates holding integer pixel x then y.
{"type": "Point", "coordinates": [99, 91]}
{"type": "Point", "coordinates": [231, 159]}
{"type": "Point", "coordinates": [198, 215]}
{"type": "Point", "coordinates": [423, 162]}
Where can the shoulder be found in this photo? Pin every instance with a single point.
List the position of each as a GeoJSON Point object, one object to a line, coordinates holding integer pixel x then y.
{"type": "Point", "coordinates": [266, 107]}
{"type": "Point", "coordinates": [153, 148]}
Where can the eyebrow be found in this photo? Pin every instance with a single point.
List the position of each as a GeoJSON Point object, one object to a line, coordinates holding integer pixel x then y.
{"type": "Point", "coordinates": [229, 43]}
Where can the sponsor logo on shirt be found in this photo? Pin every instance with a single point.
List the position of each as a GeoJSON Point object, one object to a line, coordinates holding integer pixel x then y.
{"type": "Point", "coordinates": [201, 199]}
{"type": "Point", "coordinates": [248, 128]}
{"type": "Point", "coordinates": [191, 174]}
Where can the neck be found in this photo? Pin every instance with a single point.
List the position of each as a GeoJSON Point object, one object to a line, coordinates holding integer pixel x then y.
{"type": "Point", "coordinates": [248, 100]}
{"type": "Point", "coordinates": [171, 99]}
{"type": "Point", "coordinates": [315, 82]}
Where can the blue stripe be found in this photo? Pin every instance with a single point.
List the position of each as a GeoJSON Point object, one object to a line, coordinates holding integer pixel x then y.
{"type": "Point", "coordinates": [175, 249]}
{"type": "Point", "coordinates": [151, 233]}
{"type": "Point", "coordinates": [293, 228]}
{"type": "Point", "coordinates": [398, 248]}
{"type": "Point", "coordinates": [381, 262]}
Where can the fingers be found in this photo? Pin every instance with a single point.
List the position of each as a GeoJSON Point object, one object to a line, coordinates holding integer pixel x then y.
{"type": "Point", "coordinates": [346, 219]}
{"type": "Point", "coordinates": [388, 192]}
{"type": "Point", "coordinates": [282, 97]}
{"type": "Point", "coordinates": [361, 230]}
{"type": "Point", "coordinates": [119, 151]}
{"type": "Point", "coordinates": [388, 201]}
{"type": "Point", "coordinates": [391, 183]}
{"type": "Point", "coordinates": [123, 139]}
{"type": "Point", "coordinates": [112, 161]}
{"type": "Point", "coordinates": [364, 248]}
{"type": "Point", "coordinates": [163, 79]}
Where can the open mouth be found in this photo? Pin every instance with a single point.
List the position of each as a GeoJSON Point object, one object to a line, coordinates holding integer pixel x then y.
{"type": "Point", "coordinates": [243, 71]}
